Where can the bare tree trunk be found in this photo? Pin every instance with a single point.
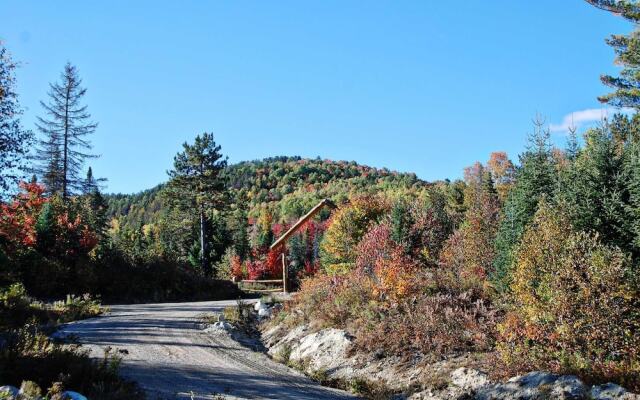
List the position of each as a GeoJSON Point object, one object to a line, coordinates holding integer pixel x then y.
{"type": "Point", "coordinates": [65, 149]}
{"type": "Point", "coordinates": [204, 255]}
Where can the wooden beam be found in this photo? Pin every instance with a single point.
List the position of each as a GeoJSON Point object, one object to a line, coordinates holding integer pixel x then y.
{"type": "Point", "coordinates": [277, 290]}
{"type": "Point", "coordinates": [301, 221]}
{"type": "Point", "coordinates": [284, 273]}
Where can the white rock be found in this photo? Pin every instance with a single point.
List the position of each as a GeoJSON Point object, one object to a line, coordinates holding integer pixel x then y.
{"type": "Point", "coordinates": [326, 349]}
{"type": "Point", "coordinates": [264, 312]}
{"type": "Point", "coordinates": [523, 387]}
{"type": "Point", "coordinates": [73, 395]}
{"type": "Point", "coordinates": [568, 387]}
{"type": "Point", "coordinates": [611, 391]}
{"type": "Point", "coordinates": [469, 379]}
{"type": "Point", "coordinates": [9, 390]}
{"type": "Point", "coordinates": [260, 305]}
{"type": "Point", "coordinates": [219, 327]}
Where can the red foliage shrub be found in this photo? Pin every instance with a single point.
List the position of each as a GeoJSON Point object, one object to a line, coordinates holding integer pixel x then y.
{"type": "Point", "coordinates": [437, 325]}
{"type": "Point", "coordinates": [18, 218]}
{"type": "Point", "coordinates": [273, 264]}
{"type": "Point", "coordinates": [255, 269]}
{"type": "Point", "coordinates": [237, 270]}
{"type": "Point", "coordinates": [387, 262]}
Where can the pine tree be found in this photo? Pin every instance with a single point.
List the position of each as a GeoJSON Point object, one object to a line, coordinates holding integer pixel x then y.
{"type": "Point", "coordinates": [595, 189]}
{"type": "Point", "coordinates": [92, 184]}
{"type": "Point", "coordinates": [535, 179]}
{"type": "Point", "coordinates": [96, 204]}
{"type": "Point", "coordinates": [240, 229]}
{"type": "Point", "coordinates": [63, 148]}
{"type": "Point", "coordinates": [14, 140]}
{"type": "Point", "coordinates": [401, 222]}
{"type": "Point", "coordinates": [627, 48]}
{"type": "Point", "coordinates": [197, 185]}
{"type": "Point", "coordinates": [632, 174]}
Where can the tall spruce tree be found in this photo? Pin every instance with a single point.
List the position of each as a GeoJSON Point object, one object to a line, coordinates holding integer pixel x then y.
{"type": "Point", "coordinates": [197, 184]}
{"type": "Point", "coordinates": [535, 179]}
{"type": "Point", "coordinates": [632, 174]}
{"type": "Point", "coordinates": [64, 145]}
{"type": "Point", "coordinates": [240, 228]}
{"type": "Point", "coordinates": [627, 48]}
{"type": "Point", "coordinates": [92, 184]}
{"type": "Point", "coordinates": [594, 188]}
{"type": "Point", "coordinates": [95, 203]}
{"type": "Point", "coordinates": [14, 140]}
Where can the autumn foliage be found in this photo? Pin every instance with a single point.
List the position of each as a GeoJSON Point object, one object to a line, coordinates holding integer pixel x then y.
{"type": "Point", "coordinates": [575, 305]}
{"type": "Point", "coordinates": [18, 218]}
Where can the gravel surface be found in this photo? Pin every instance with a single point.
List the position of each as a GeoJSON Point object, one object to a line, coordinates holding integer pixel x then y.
{"type": "Point", "coordinates": [166, 351]}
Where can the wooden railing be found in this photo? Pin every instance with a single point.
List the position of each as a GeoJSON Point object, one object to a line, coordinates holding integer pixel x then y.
{"type": "Point", "coordinates": [248, 285]}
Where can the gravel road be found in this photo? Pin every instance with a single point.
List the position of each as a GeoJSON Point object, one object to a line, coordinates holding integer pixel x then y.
{"type": "Point", "coordinates": [171, 357]}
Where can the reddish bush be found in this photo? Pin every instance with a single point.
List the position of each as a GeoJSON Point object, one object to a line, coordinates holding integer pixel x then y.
{"type": "Point", "coordinates": [438, 325]}
{"type": "Point", "coordinates": [273, 264]}
{"type": "Point", "coordinates": [237, 269]}
{"type": "Point", "coordinates": [18, 218]}
{"type": "Point", "coordinates": [255, 269]}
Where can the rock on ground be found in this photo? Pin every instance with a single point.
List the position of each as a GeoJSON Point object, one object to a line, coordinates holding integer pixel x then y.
{"type": "Point", "coordinates": [328, 351]}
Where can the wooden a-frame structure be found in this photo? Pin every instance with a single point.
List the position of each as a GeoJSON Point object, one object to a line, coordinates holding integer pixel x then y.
{"type": "Point", "coordinates": [282, 240]}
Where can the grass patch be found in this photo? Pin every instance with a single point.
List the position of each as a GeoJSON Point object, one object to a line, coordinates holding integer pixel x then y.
{"type": "Point", "coordinates": [28, 355]}
{"type": "Point", "coordinates": [17, 308]}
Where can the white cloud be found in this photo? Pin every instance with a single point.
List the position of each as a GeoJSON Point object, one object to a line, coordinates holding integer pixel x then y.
{"type": "Point", "coordinates": [582, 118]}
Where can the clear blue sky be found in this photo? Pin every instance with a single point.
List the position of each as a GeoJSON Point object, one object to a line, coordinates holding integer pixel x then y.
{"type": "Point", "coordinates": [426, 87]}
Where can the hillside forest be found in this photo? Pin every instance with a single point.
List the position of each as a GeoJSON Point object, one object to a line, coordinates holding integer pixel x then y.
{"type": "Point", "coordinates": [530, 262]}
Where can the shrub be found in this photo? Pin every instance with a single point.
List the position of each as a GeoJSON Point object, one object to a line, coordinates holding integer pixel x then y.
{"type": "Point", "coordinates": [334, 301]}
{"type": "Point", "coordinates": [29, 355]}
{"type": "Point", "coordinates": [347, 227]}
{"type": "Point", "coordinates": [574, 305]}
{"type": "Point", "coordinates": [387, 262]}
{"type": "Point", "coordinates": [435, 325]}
{"type": "Point", "coordinates": [77, 307]}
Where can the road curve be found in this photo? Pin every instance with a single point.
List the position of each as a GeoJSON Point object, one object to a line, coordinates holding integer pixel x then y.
{"type": "Point", "coordinates": [171, 357]}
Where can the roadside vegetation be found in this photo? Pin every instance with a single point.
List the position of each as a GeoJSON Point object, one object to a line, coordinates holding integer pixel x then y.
{"type": "Point", "coordinates": [528, 264]}
{"type": "Point", "coordinates": [533, 264]}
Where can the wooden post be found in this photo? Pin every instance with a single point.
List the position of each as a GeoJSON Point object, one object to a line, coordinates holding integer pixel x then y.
{"type": "Point", "coordinates": [284, 272]}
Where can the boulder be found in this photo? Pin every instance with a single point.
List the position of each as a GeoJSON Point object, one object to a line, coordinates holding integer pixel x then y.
{"type": "Point", "coordinates": [264, 312]}
{"type": "Point", "coordinates": [260, 305]}
{"type": "Point", "coordinates": [568, 387]}
{"type": "Point", "coordinates": [534, 385]}
{"type": "Point", "coordinates": [323, 350]}
{"type": "Point", "coordinates": [469, 379]}
{"type": "Point", "coordinates": [611, 391]}
{"type": "Point", "coordinates": [220, 327]}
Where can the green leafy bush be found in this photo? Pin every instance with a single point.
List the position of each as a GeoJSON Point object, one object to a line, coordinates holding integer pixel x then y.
{"type": "Point", "coordinates": [575, 305]}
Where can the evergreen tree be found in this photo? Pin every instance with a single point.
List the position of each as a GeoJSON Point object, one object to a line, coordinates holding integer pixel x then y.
{"type": "Point", "coordinates": [401, 223]}
{"type": "Point", "coordinates": [595, 189]}
{"type": "Point", "coordinates": [627, 48]}
{"type": "Point", "coordinates": [240, 229]}
{"type": "Point", "coordinates": [96, 204]}
{"type": "Point", "coordinates": [63, 148]}
{"type": "Point", "coordinates": [91, 184]}
{"type": "Point", "coordinates": [632, 174]}
{"type": "Point", "coordinates": [534, 179]}
{"type": "Point", "coordinates": [197, 184]}
{"type": "Point", "coordinates": [14, 140]}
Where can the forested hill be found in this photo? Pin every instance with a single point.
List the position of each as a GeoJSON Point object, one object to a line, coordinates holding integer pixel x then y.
{"type": "Point", "coordinates": [289, 186]}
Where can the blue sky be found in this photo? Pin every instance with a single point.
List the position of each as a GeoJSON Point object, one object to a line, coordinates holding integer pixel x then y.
{"type": "Point", "coordinates": [422, 86]}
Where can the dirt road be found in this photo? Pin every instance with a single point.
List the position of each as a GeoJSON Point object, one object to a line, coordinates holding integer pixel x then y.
{"type": "Point", "coordinates": [171, 357]}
